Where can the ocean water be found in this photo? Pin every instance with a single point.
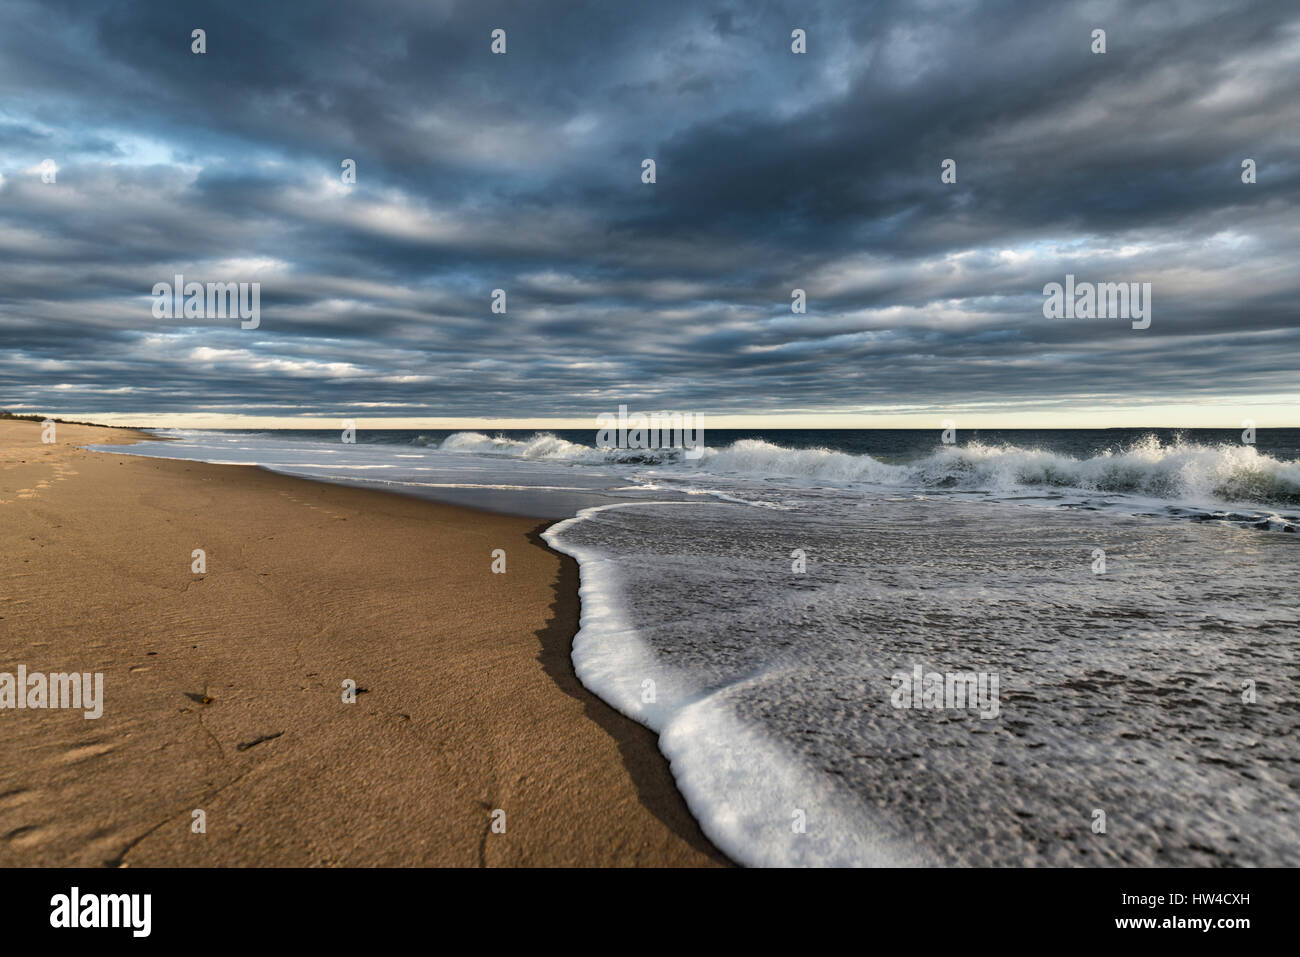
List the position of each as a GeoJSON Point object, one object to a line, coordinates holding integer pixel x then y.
{"type": "Point", "coordinates": [1131, 592]}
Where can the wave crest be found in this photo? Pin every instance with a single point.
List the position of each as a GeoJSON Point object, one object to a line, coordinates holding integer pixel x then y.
{"type": "Point", "coordinates": [1177, 471]}
{"type": "Point", "coordinates": [547, 447]}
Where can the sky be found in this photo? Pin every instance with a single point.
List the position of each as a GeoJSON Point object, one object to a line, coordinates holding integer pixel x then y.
{"type": "Point", "coordinates": [774, 171]}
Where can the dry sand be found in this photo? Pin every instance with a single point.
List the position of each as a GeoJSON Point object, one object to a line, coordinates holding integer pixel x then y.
{"type": "Point", "coordinates": [470, 703]}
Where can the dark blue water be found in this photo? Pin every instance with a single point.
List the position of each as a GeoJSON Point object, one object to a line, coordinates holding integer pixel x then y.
{"type": "Point", "coordinates": [889, 445]}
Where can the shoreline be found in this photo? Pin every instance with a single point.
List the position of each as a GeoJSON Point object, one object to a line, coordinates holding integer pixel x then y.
{"type": "Point", "coordinates": [223, 688]}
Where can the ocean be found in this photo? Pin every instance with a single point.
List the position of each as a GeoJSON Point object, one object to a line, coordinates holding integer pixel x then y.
{"type": "Point", "coordinates": [781, 609]}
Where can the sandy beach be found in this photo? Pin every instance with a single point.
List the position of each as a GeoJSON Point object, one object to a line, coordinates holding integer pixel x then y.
{"type": "Point", "coordinates": [223, 690]}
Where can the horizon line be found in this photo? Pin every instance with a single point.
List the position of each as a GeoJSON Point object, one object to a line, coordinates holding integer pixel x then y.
{"type": "Point", "coordinates": [1236, 416]}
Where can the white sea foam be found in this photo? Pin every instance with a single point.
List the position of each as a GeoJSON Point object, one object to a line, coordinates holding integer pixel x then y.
{"type": "Point", "coordinates": [742, 787]}
{"type": "Point", "coordinates": [1173, 472]}
{"type": "Point", "coordinates": [547, 447]}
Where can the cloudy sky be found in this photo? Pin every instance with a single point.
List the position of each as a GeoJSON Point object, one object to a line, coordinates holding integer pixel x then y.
{"type": "Point", "coordinates": [774, 171]}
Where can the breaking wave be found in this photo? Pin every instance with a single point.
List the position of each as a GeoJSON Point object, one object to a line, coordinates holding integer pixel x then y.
{"type": "Point", "coordinates": [1178, 471]}
{"type": "Point", "coordinates": [547, 447]}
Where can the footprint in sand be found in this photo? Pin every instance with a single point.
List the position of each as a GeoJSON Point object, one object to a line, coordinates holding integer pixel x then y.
{"type": "Point", "coordinates": [315, 508]}
{"type": "Point", "coordinates": [16, 798]}
{"type": "Point", "coordinates": [86, 752]}
{"type": "Point", "coordinates": [26, 836]}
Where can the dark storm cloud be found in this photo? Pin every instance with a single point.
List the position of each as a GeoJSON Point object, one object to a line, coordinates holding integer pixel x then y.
{"type": "Point", "coordinates": [522, 172]}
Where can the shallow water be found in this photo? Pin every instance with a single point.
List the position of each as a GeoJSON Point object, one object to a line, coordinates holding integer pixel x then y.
{"type": "Point", "coordinates": [1118, 691]}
